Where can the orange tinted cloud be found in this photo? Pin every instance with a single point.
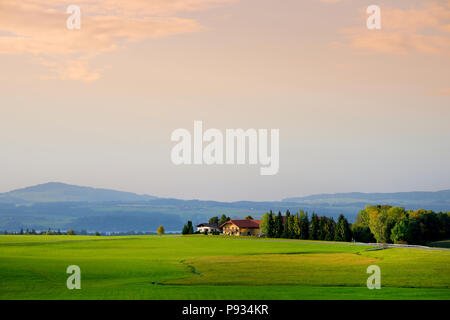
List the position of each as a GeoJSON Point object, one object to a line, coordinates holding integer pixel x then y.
{"type": "Point", "coordinates": [442, 92]}
{"type": "Point", "coordinates": [38, 28]}
{"type": "Point", "coordinates": [403, 31]}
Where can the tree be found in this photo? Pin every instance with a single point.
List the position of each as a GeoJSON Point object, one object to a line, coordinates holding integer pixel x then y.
{"type": "Point", "coordinates": [444, 225]}
{"type": "Point", "coordinates": [292, 226]}
{"type": "Point", "coordinates": [248, 218]}
{"type": "Point", "coordinates": [322, 232]}
{"type": "Point", "coordinates": [96, 233]}
{"type": "Point", "coordinates": [160, 230]}
{"type": "Point", "coordinates": [343, 231]}
{"type": "Point", "coordinates": [278, 225]}
{"type": "Point", "coordinates": [71, 232]}
{"type": "Point", "coordinates": [223, 219]}
{"type": "Point", "coordinates": [378, 225]}
{"type": "Point", "coordinates": [360, 229]}
{"type": "Point", "coordinates": [415, 231]}
{"type": "Point", "coordinates": [190, 227]}
{"type": "Point", "coordinates": [380, 219]}
{"type": "Point", "coordinates": [401, 233]}
{"type": "Point", "coordinates": [304, 225]}
{"type": "Point", "coordinates": [394, 215]}
{"type": "Point", "coordinates": [214, 220]}
{"type": "Point", "coordinates": [296, 230]}
{"type": "Point", "coordinates": [271, 228]}
{"type": "Point", "coordinates": [264, 225]}
{"type": "Point", "coordinates": [187, 228]}
{"type": "Point", "coordinates": [314, 227]}
{"type": "Point", "coordinates": [362, 218]}
{"type": "Point", "coordinates": [287, 225]}
{"type": "Point", "coordinates": [431, 222]}
{"type": "Point", "coordinates": [362, 233]}
{"type": "Point", "coordinates": [330, 229]}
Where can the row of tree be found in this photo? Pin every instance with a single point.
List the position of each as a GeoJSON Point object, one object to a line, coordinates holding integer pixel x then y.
{"type": "Point", "coordinates": [49, 232]}
{"type": "Point", "coordinates": [299, 226]}
{"type": "Point", "coordinates": [387, 224]}
{"type": "Point", "coordinates": [219, 221]}
{"type": "Point", "coordinates": [375, 223]}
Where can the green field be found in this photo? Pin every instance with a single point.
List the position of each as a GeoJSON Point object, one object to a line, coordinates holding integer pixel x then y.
{"type": "Point", "coordinates": [214, 267]}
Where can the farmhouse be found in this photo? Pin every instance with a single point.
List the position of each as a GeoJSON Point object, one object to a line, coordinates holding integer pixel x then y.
{"type": "Point", "coordinates": [209, 227]}
{"type": "Point", "coordinates": [241, 227]}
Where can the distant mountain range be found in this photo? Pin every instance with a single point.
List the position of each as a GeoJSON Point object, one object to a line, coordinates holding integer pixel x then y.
{"type": "Point", "coordinates": [58, 205]}
{"type": "Point", "coordinates": [61, 192]}
{"type": "Point", "coordinates": [443, 195]}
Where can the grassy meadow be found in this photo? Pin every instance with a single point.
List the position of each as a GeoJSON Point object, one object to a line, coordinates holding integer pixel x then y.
{"type": "Point", "coordinates": [214, 267]}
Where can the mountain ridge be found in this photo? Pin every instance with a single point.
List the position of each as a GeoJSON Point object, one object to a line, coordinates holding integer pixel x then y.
{"type": "Point", "coordinates": [63, 192]}
{"type": "Point", "coordinates": [406, 195]}
{"type": "Point", "coordinates": [49, 192]}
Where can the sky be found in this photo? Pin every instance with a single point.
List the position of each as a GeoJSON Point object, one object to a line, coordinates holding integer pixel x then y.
{"type": "Point", "coordinates": [357, 109]}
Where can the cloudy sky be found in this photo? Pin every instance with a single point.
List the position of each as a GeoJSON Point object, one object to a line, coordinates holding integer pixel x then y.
{"type": "Point", "coordinates": [358, 109]}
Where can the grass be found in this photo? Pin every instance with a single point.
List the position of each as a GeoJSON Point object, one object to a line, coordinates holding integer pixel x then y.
{"type": "Point", "coordinates": [210, 267]}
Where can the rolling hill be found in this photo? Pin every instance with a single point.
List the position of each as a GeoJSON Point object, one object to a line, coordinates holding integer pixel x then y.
{"type": "Point", "coordinates": [61, 192]}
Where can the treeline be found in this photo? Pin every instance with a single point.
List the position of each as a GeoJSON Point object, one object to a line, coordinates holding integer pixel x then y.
{"type": "Point", "coordinates": [375, 223]}
{"type": "Point", "coordinates": [387, 224]}
{"type": "Point", "coordinates": [49, 232]}
{"type": "Point", "coordinates": [22, 232]}
{"type": "Point", "coordinates": [300, 226]}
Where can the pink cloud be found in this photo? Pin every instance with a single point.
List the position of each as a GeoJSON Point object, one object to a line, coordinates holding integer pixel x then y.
{"type": "Point", "coordinates": [442, 92]}
{"type": "Point", "coordinates": [425, 30]}
{"type": "Point", "coordinates": [38, 28]}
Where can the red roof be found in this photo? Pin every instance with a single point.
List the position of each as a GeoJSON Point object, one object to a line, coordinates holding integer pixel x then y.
{"type": "Point", "coordinates": [244, 223]}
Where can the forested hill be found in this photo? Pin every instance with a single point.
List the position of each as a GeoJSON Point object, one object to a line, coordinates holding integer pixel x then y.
{"type": "Point", "coordinates": [61, 192]}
